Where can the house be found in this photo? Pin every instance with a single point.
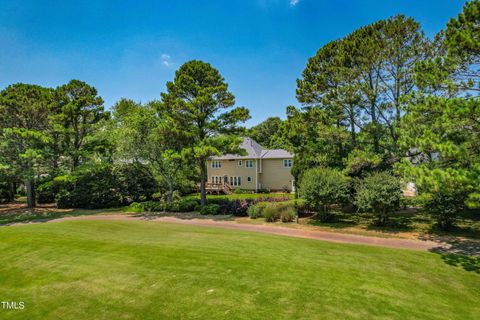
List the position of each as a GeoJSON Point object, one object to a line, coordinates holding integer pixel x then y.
{"type": "Point", "coordinates": [260, 168]}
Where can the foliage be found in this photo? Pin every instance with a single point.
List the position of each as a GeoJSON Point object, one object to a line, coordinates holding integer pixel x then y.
{"type": "Point", "coordinates": [210, 209]}
{"type": "Point", "coordinates": [103, 186]}
{"type": "Point", "coordinates": [282, 211]}
{"type": "Point", "coordinates": [323, 187]}
{"type": "Point", "coordinates": [23, 132]}
{"type": "Point", "coordinates": [46, 190]}
{"type": "Point", "coordinates": [445, 207]}
{"type": "Point", "coordinates": [76, 114]}
{"type": "Point", "coordinates": [358, 82]}
{"type": "Point", "coordinates": [146, 134]}
{"type": "Point", "coordinates": [379, 193]}
{"type": "Point", "coordinates": [146, 206]}
{"type": "Point", "coordinates": [360, 162]}
{"type": "Point", "coordinates": [452, 66]}
{"type": "Point", "coordinates": [443, 134]}
{"type": "Point", "coordinates": [6, 194]}
{"type": "Point", "coordinates": [135, 182]}
{"type": "Point", "coordinates": [199, 100]}
{"type": "Point", "coordinates": [256, 210]}
{"type": "Point", "coordinates": [91, 187]}
{"type": "Point", "coordinates": [182, 205]}
{"type": "Point", "coordinates": [265, 132]}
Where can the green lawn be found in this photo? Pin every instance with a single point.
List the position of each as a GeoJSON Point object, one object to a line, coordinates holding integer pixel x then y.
{"type": "Point", "coordinates": [151, 270]}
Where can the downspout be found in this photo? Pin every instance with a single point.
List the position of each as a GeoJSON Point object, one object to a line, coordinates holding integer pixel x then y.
{"type": "Point", "coordinates": [256, 175]}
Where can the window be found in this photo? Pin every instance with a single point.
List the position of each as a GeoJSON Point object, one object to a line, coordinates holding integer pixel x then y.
{"type": "Point", "coordinates": [235, 181]}
{"type": "Point", "coordinates": [216, 164]}
{"type": "Point", "coordinates": [287, 163]}
{"type": "Point", "coordinates": [216, 179]}
{"type": "Point", "coordinates": [239, 163]}
{"type": "Point", "coordinates": [249, 179]}
{"type": "Point", "coordinates": [248, 163]}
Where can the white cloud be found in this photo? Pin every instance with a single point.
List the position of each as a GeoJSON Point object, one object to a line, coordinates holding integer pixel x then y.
{"type": "Point", "coordinates": [166, 60]}
{"type": "Point", "coordinates": [293, 3]}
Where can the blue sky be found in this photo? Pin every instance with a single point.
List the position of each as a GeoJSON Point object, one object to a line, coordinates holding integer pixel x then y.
{"type": "Point", "coordinates": [132, 48]}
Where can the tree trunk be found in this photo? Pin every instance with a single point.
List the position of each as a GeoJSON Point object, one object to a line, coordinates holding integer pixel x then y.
{"type": "Point", "coordinates": [170, 190]}
{"type": "Point", "coordinates": [13, 190]}
{"type": "Point", "coordinates": [203, 180]}
{"type": "Point", "coordinates": [30, 191]}
{"type": "Point", "coordinates": [352, 131]}
{"type": "Point", "coordinates": [376, 146]}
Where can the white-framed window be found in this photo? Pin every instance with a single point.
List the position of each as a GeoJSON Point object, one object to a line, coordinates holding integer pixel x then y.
{"type": "Point", "coordinates": [216, 179]}
{"type": "Point", "coordinates": [235, 181]}
{"type": "Point", "coordinates": [216, 164]}
{"type": "Point", "coordinates": [287, 163]}
{"type": "Point", "coordinates": [249, 179]}
{"type": "Point", "coordinates": [248, 163]}
{"type": "Point", "coordinates": [240, 163]}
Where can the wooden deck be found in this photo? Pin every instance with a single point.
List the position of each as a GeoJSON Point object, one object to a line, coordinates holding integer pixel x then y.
{"type": "Point", "coordinates": [218, 188]}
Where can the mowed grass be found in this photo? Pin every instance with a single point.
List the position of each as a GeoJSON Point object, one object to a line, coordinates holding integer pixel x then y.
{"type": "Point", "coordinates": [151, 270]}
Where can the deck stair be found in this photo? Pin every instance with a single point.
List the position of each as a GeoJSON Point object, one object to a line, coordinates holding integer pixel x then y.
{"type": "Point", "coordinates": [217, 188]}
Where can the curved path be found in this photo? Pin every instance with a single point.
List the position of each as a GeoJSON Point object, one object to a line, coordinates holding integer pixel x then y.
{"type": "Point", "coordinates": [421, 245]}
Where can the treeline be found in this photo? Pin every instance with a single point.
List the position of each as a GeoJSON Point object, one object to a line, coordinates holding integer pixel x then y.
{"type": "Point", "coordinates": [387, 99]}
{"type": "Point", "coordinates": [63, 145]}
{"type": "Point", "coordinates": [380, 105]}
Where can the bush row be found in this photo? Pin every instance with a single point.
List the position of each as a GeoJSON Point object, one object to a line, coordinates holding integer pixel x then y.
{"type": "Point", "coordinates": [378, 192]}
{"type": "Point", "coordinates": [273, 211]}
{"type": "Point", "coordinates": [222, 206]}
{"type": "Point", "coordinates": [98, 186]}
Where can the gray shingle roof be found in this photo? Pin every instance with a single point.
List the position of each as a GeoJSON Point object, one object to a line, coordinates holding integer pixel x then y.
{"type": "Point", "coordinates": [256, 151]}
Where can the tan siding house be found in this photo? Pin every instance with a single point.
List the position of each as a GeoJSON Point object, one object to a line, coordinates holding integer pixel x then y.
{"type": "Point", "coordinates": [259, 169]}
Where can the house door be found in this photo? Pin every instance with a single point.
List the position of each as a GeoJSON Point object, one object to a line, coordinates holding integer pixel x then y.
{"type": "Point", "coordinates": [225, 179]}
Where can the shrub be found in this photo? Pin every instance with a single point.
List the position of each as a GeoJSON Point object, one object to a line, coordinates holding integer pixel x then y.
{"type": "Point", "coordinates": [89, 187]}
{"type": "Point", "coordinates": [301, 207]}
{"type": "Point", "coordinates": [379, 193]}
{"type": "Point", "coordinates": [152, 206]}
{"type": "Point", "coordinates": [256, 210]}
{"type": "Point", "coordinates": [323, 187]}
{"type": "Point", "coordinates": [135, 182]}
{"type": "Point", "coordinates": [236, 207]}
{"type": "Point", "coordinates": [444, 207]}
{"type": "Point", "coordinates": [6, 190]}
{"type": "Point", "coordinates": [100, 186]}
{"type": "Point", "coordinates": [135, 207]}
{"type": "Point", "coordinates": [46, 190]}
{"type": "Point", "coordinates": [182, 205]}
{"type": "Point", "coordinates": [237, 191]}
{"type": "Point", "coordinates": [210, 209]}
{"type": "Point", "coordinates": [279, 211]}
{"type": "Point", "coordinates": [288, 215]}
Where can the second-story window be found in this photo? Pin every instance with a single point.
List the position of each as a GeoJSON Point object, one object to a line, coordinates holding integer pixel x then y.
{"type": "Point", "coordinates": [287, 163]}
{"type": "Point", "coordinates": [248, 163]}
{"type": "Point", "coordinates": [216, 164]}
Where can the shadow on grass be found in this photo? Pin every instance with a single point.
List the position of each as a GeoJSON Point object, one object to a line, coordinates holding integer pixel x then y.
{"type": "Point", "coordinates": [15, 213]}
{"type": "Point", "coordinates": [340, 220]}
{"type": "Point", "coordinates": [458, 252]}
{"type": "Point", "coordinates": [44, 213]}
{"type": "Point", "coordinates": [181, 215]}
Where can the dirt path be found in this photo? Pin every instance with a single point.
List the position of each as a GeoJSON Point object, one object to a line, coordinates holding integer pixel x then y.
{"type": "Point", "coordinates": [421, 245]}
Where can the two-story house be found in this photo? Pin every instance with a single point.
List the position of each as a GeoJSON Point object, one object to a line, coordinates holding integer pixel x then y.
{"type": "Point", "coordinates": [260, 168]}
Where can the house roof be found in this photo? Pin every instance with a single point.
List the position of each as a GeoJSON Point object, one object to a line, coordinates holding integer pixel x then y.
{"type": "Point", "coordinates": [256, 151]}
